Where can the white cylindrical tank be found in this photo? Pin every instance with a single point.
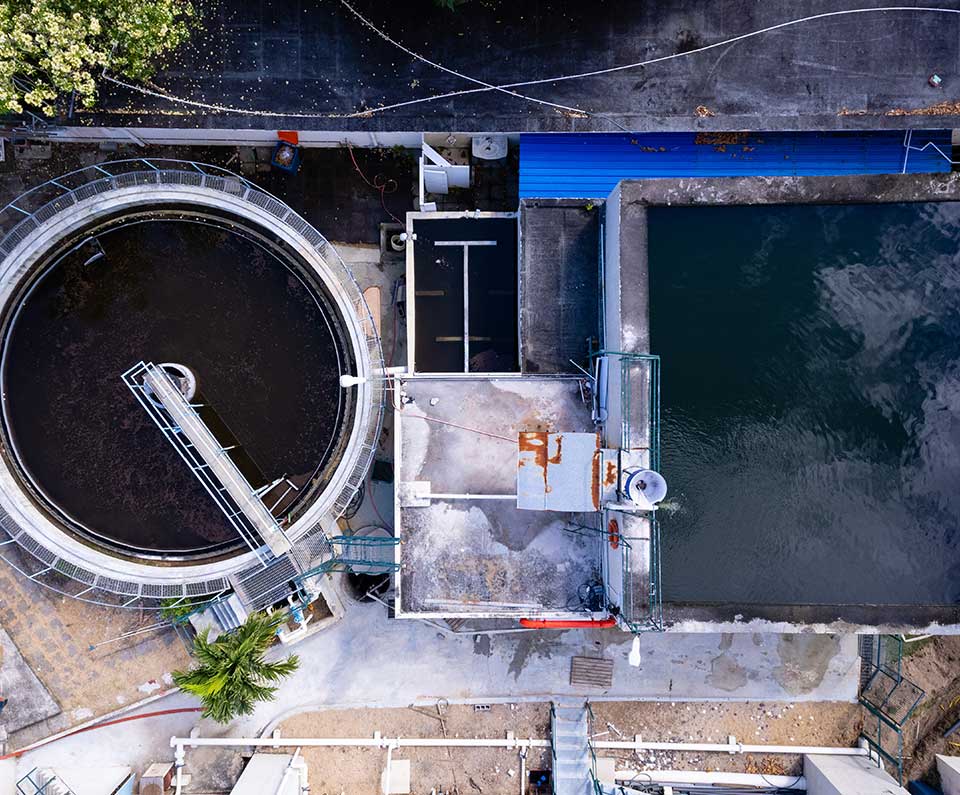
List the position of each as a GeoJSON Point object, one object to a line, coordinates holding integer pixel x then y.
{"type": "Point", "coordinates": [644, 487]}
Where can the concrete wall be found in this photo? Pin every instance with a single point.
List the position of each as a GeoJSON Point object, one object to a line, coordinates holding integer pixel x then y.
{"type": "Point", "coordinates": [626, 320]}
{"type": "Point", "coordinates": [847, 775]}
{"type": "Point", "coordinates": [949, 769]}
{"type": "Point", "coordinates": [227, 137]}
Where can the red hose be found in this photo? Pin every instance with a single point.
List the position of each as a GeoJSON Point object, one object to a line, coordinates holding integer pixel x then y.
{"type": "Point", "coordinates": [547, 623]}
{"type": "Point", "coordinates": [40, 744]}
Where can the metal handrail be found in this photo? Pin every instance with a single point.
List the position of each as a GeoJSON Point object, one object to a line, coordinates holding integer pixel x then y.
{"type": "Point", "coordinates": [653, 620]}
{"type": "Point", "coordinates": [597, 787]}
{"type": "Point", "coordinates": [884, 719]}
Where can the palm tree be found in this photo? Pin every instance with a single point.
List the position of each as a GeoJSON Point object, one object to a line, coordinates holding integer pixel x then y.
{"type": "Point", "coordinates": [232, 675]}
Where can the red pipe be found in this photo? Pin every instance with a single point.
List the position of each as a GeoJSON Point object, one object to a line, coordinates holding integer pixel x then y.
{"type": "Point", "coordinates": [547, 623]}
{"type": "Point", "coordinates": [96, 726]}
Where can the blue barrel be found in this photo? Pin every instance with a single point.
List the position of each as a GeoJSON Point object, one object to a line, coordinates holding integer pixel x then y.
{"type": "Point", "coordinates": [919, 788]}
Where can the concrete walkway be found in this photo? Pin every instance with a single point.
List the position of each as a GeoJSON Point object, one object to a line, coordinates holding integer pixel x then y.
{"type": "Point", "coordinates": [370, 660]}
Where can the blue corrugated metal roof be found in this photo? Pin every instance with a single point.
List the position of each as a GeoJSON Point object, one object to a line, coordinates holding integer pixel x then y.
{"type": "Point", "coordinates": [589, 165]}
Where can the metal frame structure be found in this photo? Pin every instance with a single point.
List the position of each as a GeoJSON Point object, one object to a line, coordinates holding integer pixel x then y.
{"type": "Point", "coordinates": [22, 220]}
{"type": "Point", "coordinates": [410, 273]}
{"type": "Point", "coordinates": [890, 698]}
{"type": "Point", "coordinates": [594, 781]}
{"type": "Point", "coordinates": [39, 782]}
{"type": "Point", "coordinates": [648, 617]}
{"type": "Point", "coordinates": [194, 458]}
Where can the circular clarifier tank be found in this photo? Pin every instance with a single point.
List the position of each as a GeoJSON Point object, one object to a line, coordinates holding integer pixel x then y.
{"type": "Point", "coordinates": [238, 309]}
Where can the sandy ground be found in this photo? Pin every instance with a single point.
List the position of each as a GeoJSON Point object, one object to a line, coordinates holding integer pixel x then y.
{"type": "Point", "coordinates": [55, 634]}
{"type": "Point", "coordinates": [934, 666]}
{"type": "Point", "coordinates": [753, 723]}
{"type": "Point", "coordinates": [357, 770]}
{"type": "Point", "coordinates": [341, 771]}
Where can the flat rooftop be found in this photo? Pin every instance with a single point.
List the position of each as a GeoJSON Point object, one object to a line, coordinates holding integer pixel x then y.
{"type": "Point", "coordinates": [472, 553]}
{"type": "Point", "coordinates": [262, 60]}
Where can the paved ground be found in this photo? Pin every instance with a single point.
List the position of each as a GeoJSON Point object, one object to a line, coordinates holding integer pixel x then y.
{"type": "Point", "coordinates": [372, 661]}
{"type": "Point", "coordinates": [855, 71]}
{"type": "Point", "coordinates": [30, 701]}
{"type": "Point", "coordinates": [54, 633]}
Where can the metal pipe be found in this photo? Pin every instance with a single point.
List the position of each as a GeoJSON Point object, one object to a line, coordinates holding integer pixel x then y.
{"type": "Point", "coordinates": [433, 496]}
{"type": "Point", "coordinates": [555, 623]}
{"type": "Point", "coordinates": [178, 761]}
{"type": "Point", "coordinates": [514, 743]}
{"type": "Point", "coordinates": [131, 634]}
{"type": "Point", "coordinates": [728, 748]}
{"type": "Point", "coordinates": [290, 767]}
{"type": "Point", "coordinates": [675, 777]}
{"type": "Point", "coordinates": [386, 777]}
{"type": "Point", "coordinates": [357, 742]}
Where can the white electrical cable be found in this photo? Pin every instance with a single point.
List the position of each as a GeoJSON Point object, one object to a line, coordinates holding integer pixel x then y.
{"type": "Point", "coordinates": [442, 68]}
{"type": "Point", "coordinates": [358, 114]}
{"type": "Point", "coordinates": [662, 58]}
{"type": "Point", "coordinates": [504, 87]}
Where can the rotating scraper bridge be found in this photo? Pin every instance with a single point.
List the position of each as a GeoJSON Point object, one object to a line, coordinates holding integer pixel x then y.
{"type": "Point", "coordinates": [273, 556]}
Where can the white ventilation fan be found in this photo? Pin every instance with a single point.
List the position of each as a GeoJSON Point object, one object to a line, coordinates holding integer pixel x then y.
{"type": "Point", "coordinates": [645, 488]}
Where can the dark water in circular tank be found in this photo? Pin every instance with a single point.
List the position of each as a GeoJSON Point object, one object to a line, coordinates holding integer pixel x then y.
{"type": "Point", "coordinates": [811, 402]}
{"type": "Point", "coordinates": [260, 342]}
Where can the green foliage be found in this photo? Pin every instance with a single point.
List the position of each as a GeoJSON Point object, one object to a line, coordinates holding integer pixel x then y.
{"type": "Point", "coordinates": [231, 674]}
{"type": "Point", "coordinates": [176, 610]}
{"type": "Point", "coordinates": [49, 48]}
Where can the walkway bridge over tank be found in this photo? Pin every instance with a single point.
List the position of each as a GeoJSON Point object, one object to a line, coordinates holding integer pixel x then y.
{"type": "Point", "coordinates": [207, 458]}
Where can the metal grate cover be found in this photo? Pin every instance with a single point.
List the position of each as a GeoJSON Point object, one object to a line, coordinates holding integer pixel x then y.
{"type": "Point", "coordinates": [591, 672]}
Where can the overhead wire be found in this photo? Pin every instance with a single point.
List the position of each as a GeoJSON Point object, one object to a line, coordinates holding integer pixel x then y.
{"type": "Point", "coordinates": [487, 86]}
{"type": "Point", "coordinates": [672, 56]}
{"type": "Point", "coordinates": [507, 88]}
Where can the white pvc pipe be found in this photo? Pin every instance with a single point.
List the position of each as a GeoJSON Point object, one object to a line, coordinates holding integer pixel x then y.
{"type": "Point", "coordinates": [729, 748]}
{"type": "Point", "coordinates": [386, 775]}
{"type": "Point", "coordinates": [178, 760]}
{"type": "Point", "coordinates": [356, 742]}
{"type": "Point", "coordinates": [514, 743]}
{"type": "Point", "coordinates": [290, 768]}
{"type": "Point", "coordinates": [694, 777]}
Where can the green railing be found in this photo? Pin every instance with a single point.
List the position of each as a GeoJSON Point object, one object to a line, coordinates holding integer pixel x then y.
{"type": "Point", "coordinates": [179, 611]}
{"type": "Point", "coordinates": [349, 559]}
{"type": "Point", "coordinates": [890, 700]}
{"type": "Point", "coordinates": [595, 782]}
{"type": "Point", "coordinates": [37, 782]}
{"type": "Point", "coordinates": [645, 615]}
{"type": "Point", "coordinates": [629, 364]}
{"type": "Point", "coordinates": [553, 746]}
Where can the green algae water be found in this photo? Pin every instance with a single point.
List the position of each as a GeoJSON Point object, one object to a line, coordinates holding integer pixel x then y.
{"type": "Point", "coordinates": [811, 402]}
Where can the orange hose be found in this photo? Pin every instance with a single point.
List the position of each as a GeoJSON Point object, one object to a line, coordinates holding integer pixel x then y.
{"type": "Point", "coordinates": [547, 623]}
{"type": "Point", "coordinates": [114, 722]}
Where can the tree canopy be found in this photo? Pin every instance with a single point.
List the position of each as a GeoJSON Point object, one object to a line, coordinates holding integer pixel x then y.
{"type": "Point", "coordinates": [53, 48]}
{"type": "Point", "coordinates": [231, 674]}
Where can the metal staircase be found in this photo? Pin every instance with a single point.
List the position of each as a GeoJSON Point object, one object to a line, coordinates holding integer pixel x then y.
{"type": "Point", "coordinates": [569, 741]}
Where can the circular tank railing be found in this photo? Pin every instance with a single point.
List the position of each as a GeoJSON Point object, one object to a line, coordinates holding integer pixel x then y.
{"type": "Point", "coordinates": [36, 561]}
